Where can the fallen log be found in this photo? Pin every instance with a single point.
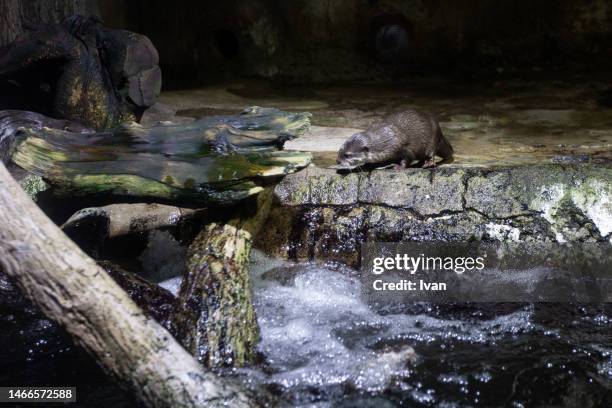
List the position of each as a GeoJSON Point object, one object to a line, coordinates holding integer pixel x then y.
{"type": "Point", "coordinates": [214, 316]}
{"type": "Point", "coordinates": [11, 121]}
{"type": "Point", "coordinates": [116, 220]}
{"type": "Point", "coordinates": [69, 288]}
{"type": "Point", "coordinates": [213, 160]}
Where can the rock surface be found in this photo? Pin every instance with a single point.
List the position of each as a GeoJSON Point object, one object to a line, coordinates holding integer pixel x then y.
{"type": "Point", "coordinates": [321, 214]}
{"type": "Point", "coordinates": [154, 300]}
{"type": "Point", "coordinates": [491, 123]}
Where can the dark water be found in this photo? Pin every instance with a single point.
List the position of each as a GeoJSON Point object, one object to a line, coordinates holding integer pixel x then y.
{"type": "Point", "coordinates": [35, 352]}
{"type": "Point", "coordinates": [324, 346]}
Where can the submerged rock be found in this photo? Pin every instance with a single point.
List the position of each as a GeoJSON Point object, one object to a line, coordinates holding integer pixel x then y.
{"type": "Point", "coordinates": [215, 319]}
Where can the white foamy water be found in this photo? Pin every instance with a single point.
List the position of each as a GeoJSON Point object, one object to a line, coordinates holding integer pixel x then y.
{"type": "Point", "coordinates": [316, 331]}
{"type": "Point", "coordinates": [172, 285]}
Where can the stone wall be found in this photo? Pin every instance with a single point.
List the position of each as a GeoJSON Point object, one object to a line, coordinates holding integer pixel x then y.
{"type": "Point", "coordinates": [320, 214]}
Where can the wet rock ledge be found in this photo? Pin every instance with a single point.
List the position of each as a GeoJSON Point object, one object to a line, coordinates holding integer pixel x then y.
{"type": "Point", "coordinates": [320, 214]}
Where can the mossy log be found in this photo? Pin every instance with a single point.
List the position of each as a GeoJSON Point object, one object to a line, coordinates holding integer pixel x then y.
{"type": "Point", "coordinates": [69, 288]}
{"type": "Point", "coordinates": [216, 159]}
{"type": "Point", "coordinates": [215, 319]}
{"type": "Point", "coordinates": [252, 217]}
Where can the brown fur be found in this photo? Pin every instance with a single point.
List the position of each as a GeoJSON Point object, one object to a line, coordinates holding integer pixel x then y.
{"type": "Point", "coordinates": [400, 138]}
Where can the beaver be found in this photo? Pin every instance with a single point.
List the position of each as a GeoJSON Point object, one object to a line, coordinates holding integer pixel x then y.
{"type": "Point", "coordinates": [400, 138]}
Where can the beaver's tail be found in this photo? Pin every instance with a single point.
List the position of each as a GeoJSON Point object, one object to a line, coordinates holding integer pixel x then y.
{"type": "Point", "coordinates": [445, 150]}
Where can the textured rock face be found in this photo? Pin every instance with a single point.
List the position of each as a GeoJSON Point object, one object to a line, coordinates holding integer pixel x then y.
{"type": "Point", "coordinates": [319, 214]}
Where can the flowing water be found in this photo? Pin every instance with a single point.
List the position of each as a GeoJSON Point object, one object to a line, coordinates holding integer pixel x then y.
{"type": "Point", "coordinates": [323, 345]}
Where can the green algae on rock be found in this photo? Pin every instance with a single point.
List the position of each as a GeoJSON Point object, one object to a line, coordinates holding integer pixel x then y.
{"type": "Point", "coordinates": [33, 186]}
{"type": "Point", "coordinates": [214, 317]}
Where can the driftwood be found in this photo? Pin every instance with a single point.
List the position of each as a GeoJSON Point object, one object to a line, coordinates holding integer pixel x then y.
{"type": "Point", "coordinates": [69, 288]}
{"type": "Point", "coordinates": [11, 121]}
{"type": "Point", "coordinates": [216, 159]}
{"type": "Point", "coordinates": [215, 319]}
{"type": "Point", "coordinates": [116, 220]}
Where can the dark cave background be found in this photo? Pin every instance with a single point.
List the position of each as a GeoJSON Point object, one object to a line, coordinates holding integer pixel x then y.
{"type": "Point", "coordinates": [367, 40]}
{"type": "Point", "coordinates": [331, 41]}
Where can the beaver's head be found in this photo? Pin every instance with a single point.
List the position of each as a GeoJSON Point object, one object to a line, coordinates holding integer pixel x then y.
{"type": "Point", "coordinates": [354, 152]}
